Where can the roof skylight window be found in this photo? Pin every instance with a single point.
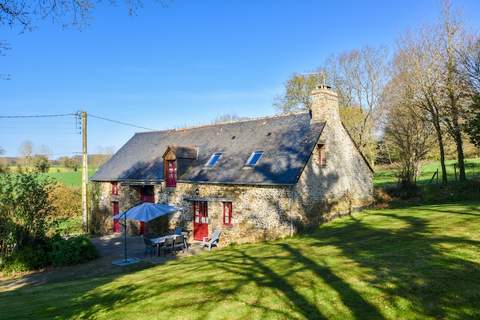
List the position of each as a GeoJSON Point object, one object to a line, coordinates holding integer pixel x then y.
{"type": "Point", "coordinates": [254, 158]}
{"type": "Point", "coordinates": [213, 159]}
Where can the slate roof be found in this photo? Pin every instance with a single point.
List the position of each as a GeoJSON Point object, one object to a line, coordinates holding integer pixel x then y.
{"type": "Point", "coordinates": [287, 142]}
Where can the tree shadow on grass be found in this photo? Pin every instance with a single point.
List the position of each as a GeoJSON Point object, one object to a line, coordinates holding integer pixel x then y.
{"type": "Point", "coordinates": [403, 261]}
{"type": "Point", "coordinates": [413, 264]}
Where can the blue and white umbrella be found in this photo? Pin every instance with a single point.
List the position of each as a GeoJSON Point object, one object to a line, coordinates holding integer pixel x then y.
{"type": "Point", "coordinates": [143, 212]}
{"type": "Point", "coordinates": [146, 212]}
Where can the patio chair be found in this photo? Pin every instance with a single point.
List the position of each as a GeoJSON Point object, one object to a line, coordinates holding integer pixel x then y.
{"type": "Point", "coordinates": [213, 241]}
{"type": "Point", "coordinates": [179, 243]}
{"type": "Point", "coordinates": [167, 246]}
{"type": "Point", "coordinates": [178, 231]}
{"type": "Point", "coordinates": [150, 247]}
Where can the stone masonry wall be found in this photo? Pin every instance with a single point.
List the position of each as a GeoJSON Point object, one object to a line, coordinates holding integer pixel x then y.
{"type": "Point", "coordinates": [259, 213]}
{"type": "Point", "coordinates": [342, 185]}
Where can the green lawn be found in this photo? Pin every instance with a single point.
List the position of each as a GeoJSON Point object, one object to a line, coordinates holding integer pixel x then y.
{"type": "Point", "coordinates": [411, 263]}
{"type": "Point", "coordinates": [67, 176]}
{"type": "Point", "coordinates": [389, 176]}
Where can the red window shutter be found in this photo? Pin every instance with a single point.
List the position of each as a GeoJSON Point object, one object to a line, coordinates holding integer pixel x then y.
{"type": "Point", "coordinates": [227, 213]}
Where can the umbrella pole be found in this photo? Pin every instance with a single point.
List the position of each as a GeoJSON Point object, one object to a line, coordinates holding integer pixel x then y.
{"type": "Point", "coordinates": [125, 231]}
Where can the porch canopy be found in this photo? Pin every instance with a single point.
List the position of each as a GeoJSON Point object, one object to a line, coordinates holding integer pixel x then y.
{"type": "Point", "coordinates": [146, 212]}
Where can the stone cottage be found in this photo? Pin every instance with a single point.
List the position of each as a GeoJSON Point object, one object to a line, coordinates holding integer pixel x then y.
{"type": "Point", "coordinates": [255, 179]}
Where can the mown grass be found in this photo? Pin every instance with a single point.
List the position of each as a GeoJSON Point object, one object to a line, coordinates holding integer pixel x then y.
{"type": "Point", "coordinates": [418, 262]}
{"type": "Point", "coordinates": [388, 176]}
{"type": "Point", "coordinates": [69, 177]}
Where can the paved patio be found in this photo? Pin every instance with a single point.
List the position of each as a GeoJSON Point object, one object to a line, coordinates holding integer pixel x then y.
{"type": "Point", "coordinates": [110, 248]}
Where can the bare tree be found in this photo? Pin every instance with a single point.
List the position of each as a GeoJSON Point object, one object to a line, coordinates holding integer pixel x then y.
{"type": "Point", "coordinates": [44, 150]}
{"type": "Point", "coordinates": [228, 118]}
{"type": "Point", "coordinates": [25, 13]}
{"type": "Point", "coordinates": [26, 152]}
{"type": "Point", "coordinates": [419, 63]}
{"type": "Point", "coordinates": [359, 77]}
{"type": "Point", "coordinates": [453, 40]}
{"type": "Point", "coordinates": [470, 71]}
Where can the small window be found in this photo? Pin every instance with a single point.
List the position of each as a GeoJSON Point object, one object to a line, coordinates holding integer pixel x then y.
{"type": "Point", "coordinates": [171, 173]}
{"type": "Point", "coordinates": [115, 188]}
{"type": "Point", "coordinates": [213, 159]}
{"type": "Point", "coordinates": [227, 214]}
{"type": "Point", "coordinates": [254, 158]}
{"type": "Point", "coordinates": [321, 156]}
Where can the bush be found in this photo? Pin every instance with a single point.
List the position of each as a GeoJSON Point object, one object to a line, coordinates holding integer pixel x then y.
{"type": "Point", "coordinates": [26, 259]}
{"type": "Point", "coordinates": [55, 251]}
{"type": "Point", "coordinates": [71, 251]}
{"type": "Point", "coordinates": [66, 201]}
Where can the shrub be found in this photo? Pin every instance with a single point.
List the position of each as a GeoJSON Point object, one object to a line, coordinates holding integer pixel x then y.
{"type": "Point", "coordinates": [24, 207]}
{"type": "Point", "coordinates": [71, 251]}
{"type": "Point", "coordinates": [27, 258]}
{"type": "Point", "coordinates": [66, 201]}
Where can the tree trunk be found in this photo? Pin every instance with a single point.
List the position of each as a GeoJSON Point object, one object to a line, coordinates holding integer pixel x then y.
{"type": "Point", "coordinates": [441, 148]}
{"type": "Point", "coordinates": [460, 155]}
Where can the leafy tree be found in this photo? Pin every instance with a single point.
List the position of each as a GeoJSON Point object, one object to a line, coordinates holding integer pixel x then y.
{"type": "Point", "coordinates": [297, 92]}
{"type": "Point", "coordinates": [24, 207]}
{"type": "Point", "coordinates": [41, 163]}
{"type": "Point", "coordinates": [70, 162]}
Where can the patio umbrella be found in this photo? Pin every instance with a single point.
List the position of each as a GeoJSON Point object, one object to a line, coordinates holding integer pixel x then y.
{"type": "Point", "coordinates": [143, 212]}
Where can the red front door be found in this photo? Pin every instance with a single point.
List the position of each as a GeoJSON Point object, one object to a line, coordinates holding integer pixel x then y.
{"type": "Point", "coordinates": [146, 195]}
{"type": "Point", "coordinates": [200, 221]}
{"type": "Point", "coordinates": [116, 223]}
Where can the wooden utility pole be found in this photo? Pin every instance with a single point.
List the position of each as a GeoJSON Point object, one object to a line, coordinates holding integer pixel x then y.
{"type": "Point", "coordinates": [84, 172]}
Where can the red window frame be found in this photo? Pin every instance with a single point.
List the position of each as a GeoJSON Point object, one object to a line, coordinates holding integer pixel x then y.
{"type": "Point", "coordinates": [321, 155]}
{"type": "Point", "coordinates": [227, 214]}
{"type": "Point", "coordinates": [115, 188]}
{"type": "Point", "coordinates": [171, 173]}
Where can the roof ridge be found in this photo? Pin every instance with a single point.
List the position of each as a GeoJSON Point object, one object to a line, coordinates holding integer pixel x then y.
{"type": "Point", "coordinates": [281, 115]}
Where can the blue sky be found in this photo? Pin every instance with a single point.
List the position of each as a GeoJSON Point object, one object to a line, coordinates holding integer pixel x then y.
{"type": "Point", "coordinates": [182, 65]}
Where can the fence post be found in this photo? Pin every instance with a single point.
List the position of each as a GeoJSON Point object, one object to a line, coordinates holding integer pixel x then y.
{"type": "Point", "coordinates": [437, 175]}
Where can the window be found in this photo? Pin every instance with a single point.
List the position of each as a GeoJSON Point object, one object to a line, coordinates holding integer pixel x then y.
{"type": "Point", "coordinates": [213, 159]}
{"type": "Point", "coordinates": [254, 158]}
{"type": "Point", "coordinates": [227, 213]}
{"type": "Point", "coordinates": [321, 157]}
{"type": "Point", "coordinates": [114, 188]}
{"type": "Point", "coordinates": [171, 173]}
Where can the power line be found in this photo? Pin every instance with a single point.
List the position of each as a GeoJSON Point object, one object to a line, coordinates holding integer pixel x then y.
{"type": "Point", "coordinates": [39, 116]}
{"type": "Point", "coordinates": [76, 115]}
{"type": "Point", "coordinates": [121, 122]}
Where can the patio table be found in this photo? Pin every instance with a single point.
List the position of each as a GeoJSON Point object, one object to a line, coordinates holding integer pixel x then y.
{"type": "Point", "coordinates": [160, 240]}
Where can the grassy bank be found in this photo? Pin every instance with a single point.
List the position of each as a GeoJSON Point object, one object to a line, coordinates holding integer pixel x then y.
{"type": "Point", "coordinates": [418, 262]}
{"type": "Point", "coordinates": [388, 175]}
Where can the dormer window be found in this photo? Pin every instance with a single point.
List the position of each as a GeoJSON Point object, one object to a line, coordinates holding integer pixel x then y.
{"type": "Point", "coordinates": [254, 158]}
{"type": "Point", "coordinates": [213, 159]}
{"type": "Point", "coordinates": [171, 173]}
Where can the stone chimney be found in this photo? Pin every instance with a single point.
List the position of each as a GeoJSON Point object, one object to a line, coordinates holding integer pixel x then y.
{"type": "Point", "coordinates": [324, 105]}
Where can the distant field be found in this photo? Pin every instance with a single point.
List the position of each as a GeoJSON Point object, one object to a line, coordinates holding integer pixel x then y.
{"type": "Point", "coordinates": [389, 176]}
{"type": "Point", "coordinates": [69, 177]}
